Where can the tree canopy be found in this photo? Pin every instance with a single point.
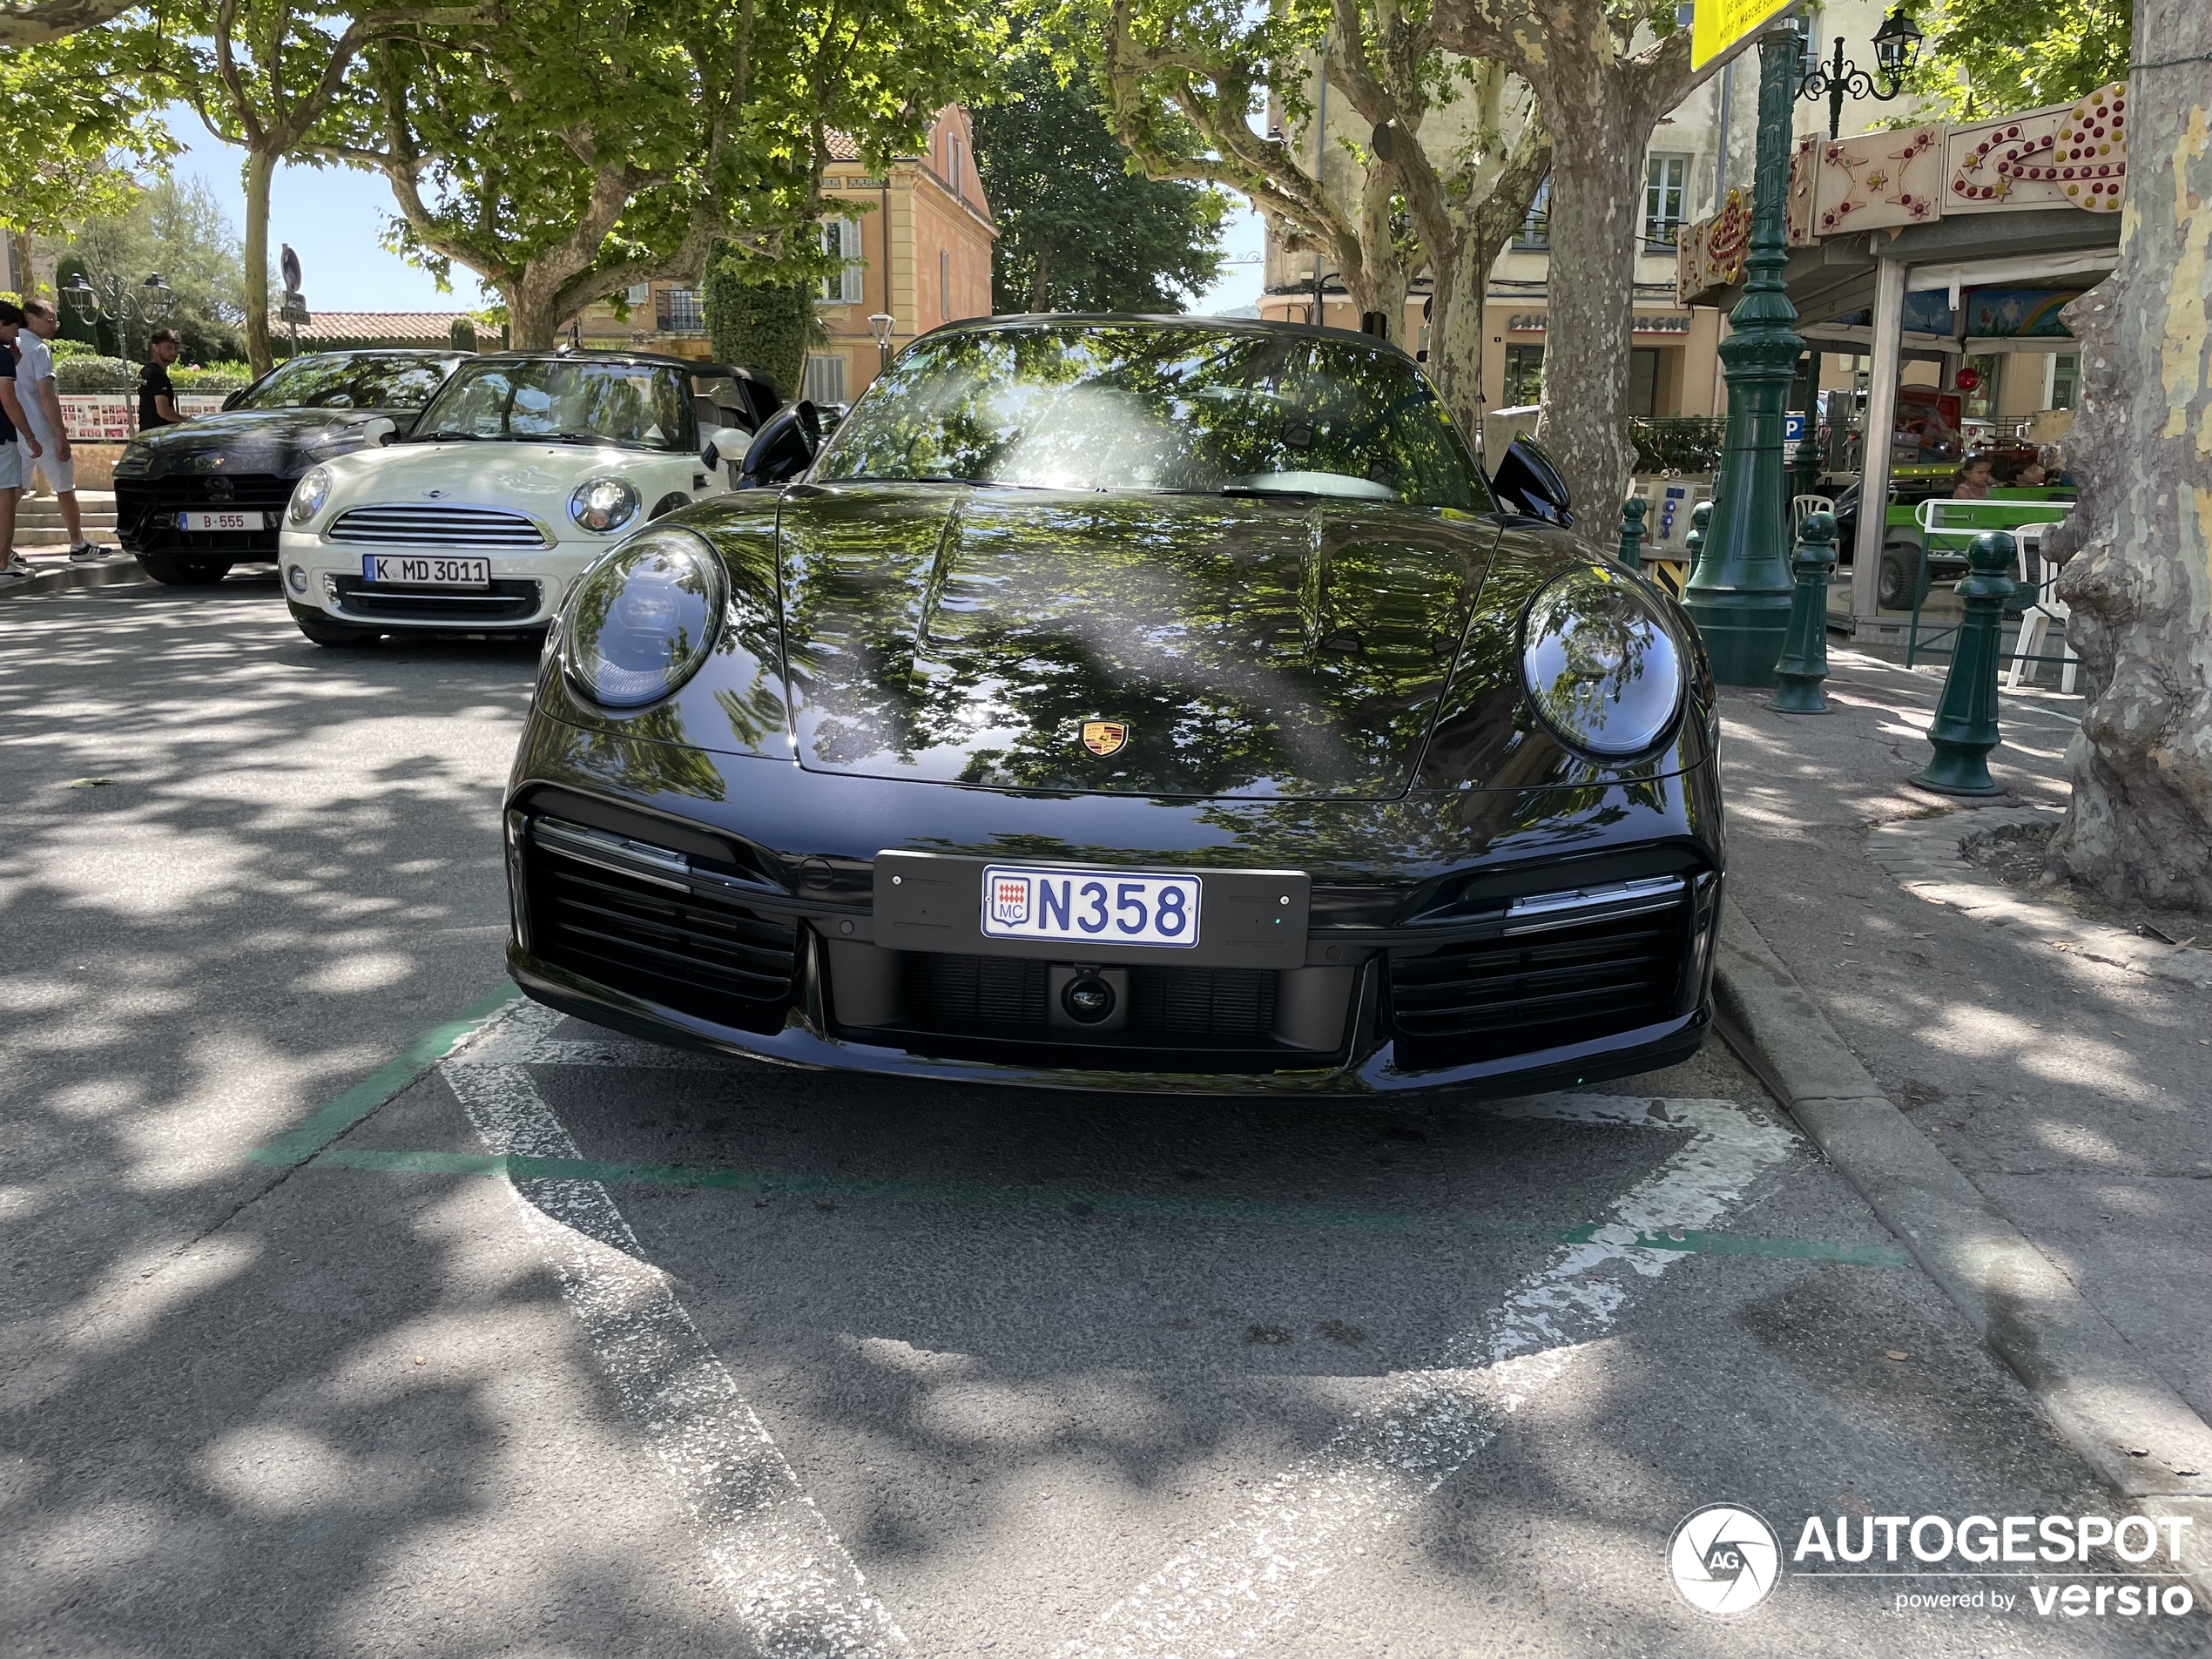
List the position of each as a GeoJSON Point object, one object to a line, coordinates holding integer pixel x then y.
{"type": "Point", "coordinates": [1078, 230]}
{"type": "Point", "coordinates": [1991, 57]}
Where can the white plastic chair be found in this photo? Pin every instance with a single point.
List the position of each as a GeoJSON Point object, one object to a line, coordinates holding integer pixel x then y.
{"type": "Point", "coordinates": [2036, 620]}
{"type": "Point", "coordinates": [1803, 506]}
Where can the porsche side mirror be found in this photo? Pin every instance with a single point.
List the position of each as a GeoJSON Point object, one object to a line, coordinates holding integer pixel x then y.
{"type": "Point", "coordinates": [1527, 482]}
{"type": "Point", "coordinates": [783, 448]}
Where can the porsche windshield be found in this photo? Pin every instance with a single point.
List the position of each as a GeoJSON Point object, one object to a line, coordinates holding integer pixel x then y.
{"type": "Point", "coordinates": [350, 382]}
{"type": "Point", "coordinates": [638, 406]}
{"type": "Point", "coordinates": [1152, 405]}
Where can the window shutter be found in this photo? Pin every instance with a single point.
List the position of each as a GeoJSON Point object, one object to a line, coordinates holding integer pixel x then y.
{"type": "Point", "coordinates": [855, 269]}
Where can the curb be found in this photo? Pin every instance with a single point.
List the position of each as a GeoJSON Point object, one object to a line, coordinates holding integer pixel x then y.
{"type": "Point", "coordinates": [1926, 858]}
{"type": "Point", "coordinates": [64, 578]}
{"type": "Point", "coordinates": [2141, 1439]}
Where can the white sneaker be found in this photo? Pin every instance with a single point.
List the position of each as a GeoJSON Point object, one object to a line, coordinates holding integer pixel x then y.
{"type": "Point", "coordinates": [17, 565]}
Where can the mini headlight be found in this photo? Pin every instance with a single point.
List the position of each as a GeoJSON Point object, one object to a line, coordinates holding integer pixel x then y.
{"type": "Point", "coordinates": [308, 494]}
{"type": "Point", "coordinates": [1599, 664]}
{"type": "Point", "coordinates": [602, 505]}
{"type": "Point", "coordinates": [643, 619]}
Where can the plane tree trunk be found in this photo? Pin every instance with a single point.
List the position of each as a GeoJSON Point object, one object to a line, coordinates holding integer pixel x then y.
{"type": "Point", "coordinates": [2139, 577]}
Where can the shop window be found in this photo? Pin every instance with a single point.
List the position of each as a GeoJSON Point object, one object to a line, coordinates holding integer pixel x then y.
{"type": "Point", "coordinates": [841, 240]}
{"type": "Point", "coordinates": [1524, 375]}
{"type": "Point", "coordinates": [2062, 380]}
{"type": "Point", "coordinates": [1666, 199]}
{"type": "Point", "coordinates": [1536, 230]}
{"type": "Point", "coordinates": [824, 380]}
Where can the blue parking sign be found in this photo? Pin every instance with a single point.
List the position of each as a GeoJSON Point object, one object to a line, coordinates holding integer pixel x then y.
{"type": "Point", "coordinates": [1793, 428]}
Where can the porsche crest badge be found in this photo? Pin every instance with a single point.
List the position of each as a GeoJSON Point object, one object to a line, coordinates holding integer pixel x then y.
{"type": "Point", "coordinates": [1104, 736]}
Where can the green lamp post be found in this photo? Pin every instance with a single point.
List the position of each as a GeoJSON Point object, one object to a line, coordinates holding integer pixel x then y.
{"type": "Point", "coordinates": [1740, 591]}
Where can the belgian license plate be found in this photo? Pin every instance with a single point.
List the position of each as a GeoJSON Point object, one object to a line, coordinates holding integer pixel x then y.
{"type": "Point", "coordinates": [1090, 906]}
{"type": "Point", "coordinates": [222, 521]}
{"type": "Point", "coordinates": [417, 570]}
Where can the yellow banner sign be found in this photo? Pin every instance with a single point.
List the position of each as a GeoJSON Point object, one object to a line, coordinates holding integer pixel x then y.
{"type": "Point", "coordinates": [1718, 24]}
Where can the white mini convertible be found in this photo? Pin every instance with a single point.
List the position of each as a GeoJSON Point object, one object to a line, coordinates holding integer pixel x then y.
{"type": "Point", "coordinates": [522, 470]}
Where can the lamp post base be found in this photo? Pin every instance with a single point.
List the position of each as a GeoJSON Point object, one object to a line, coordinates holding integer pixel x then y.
{"type": "Point", "coordinates": [1743, 633]}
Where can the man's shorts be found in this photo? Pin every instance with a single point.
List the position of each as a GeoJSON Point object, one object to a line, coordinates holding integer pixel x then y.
{"type": "Point", "coordinates": [61, 475]}
{"type": "Point", "coordinates": [11, 465]}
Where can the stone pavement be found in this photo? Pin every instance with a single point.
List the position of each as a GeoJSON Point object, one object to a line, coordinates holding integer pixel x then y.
{"type": "Point", "coordinates": [2063, 1065]}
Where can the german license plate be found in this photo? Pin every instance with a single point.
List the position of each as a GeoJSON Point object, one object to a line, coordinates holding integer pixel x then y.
{"type": "Point", "coordinates": [222, 521]}
{"type": "Point", "coordinates": [419, 571]}
{"type": "Point", "coordinates": [1094, 906]}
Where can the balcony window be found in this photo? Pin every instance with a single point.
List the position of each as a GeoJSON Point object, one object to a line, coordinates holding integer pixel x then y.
{"type": "Point", "coordinates": [1666, 199]}
{"type": "Point", "coordinates": [1536, 230]}
{"type": "Point", "coordinates": [681, 311]}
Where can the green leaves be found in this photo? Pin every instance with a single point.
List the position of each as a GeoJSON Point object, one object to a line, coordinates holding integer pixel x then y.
{"type": "Point", "coordinates": [1991, 57]}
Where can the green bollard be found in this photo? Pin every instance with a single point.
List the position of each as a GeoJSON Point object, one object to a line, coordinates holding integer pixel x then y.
{"type": "Point", "coordinates": [1632, 512]}
{"type": "Point", "coordinates": [1965, 718]}
{"type": "Point", "coordinates": [1804, 662]}
{"type": "Point", "coordinates": [1700, 516]}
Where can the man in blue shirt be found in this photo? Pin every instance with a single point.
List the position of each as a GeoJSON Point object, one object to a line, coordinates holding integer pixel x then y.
{"type": "Point", "coordinates": [13, 447]}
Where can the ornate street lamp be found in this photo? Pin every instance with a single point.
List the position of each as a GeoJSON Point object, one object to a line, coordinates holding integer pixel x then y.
{"type": "Point", "coordinates": [114, 300]}
{"type": "Point", "coordinates": [1897, 47]}
{"type": "Point", "coordinates": [882, 322]}
{"type": "Point", "coordinates": [1741, 591]}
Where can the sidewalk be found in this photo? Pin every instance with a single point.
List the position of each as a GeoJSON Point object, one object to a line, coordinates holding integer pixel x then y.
{"type": "Point", "coordinates": [2064, 1070]}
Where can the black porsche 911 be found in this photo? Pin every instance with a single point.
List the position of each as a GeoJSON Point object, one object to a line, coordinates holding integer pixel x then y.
{"type": "Point", "coordinates": [1126, 703]}
{"type": "Point", "coordinates": [192, 500]}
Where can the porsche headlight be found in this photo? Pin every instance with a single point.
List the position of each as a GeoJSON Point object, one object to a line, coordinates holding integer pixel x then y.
{"type": "Point", "coordinates": [604, 505]}
{"type": "Point", "coordinates": [1601, 666]}
{"type": "Point", "coordinates": [644, 619]}
{"type": "Point", "coordinates": [308, 494]}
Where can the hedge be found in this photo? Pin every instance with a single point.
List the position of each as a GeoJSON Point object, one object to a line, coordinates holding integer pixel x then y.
{"type": "Point", "coordinates": [89, 374]}
{"type": "Point", "coordinates": [753, 325]}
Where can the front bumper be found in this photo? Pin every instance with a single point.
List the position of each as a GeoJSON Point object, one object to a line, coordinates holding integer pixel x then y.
{"type": "Point", "coordinates": [527, 588]}
{"type": "Point", "coordinates": [661, 927]}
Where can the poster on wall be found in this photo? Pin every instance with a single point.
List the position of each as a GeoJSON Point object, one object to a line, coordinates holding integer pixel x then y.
{"type": "Point", "coordinates": [2019, 313]}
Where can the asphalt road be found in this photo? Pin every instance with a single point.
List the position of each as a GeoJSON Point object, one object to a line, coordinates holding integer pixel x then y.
{"type": "Point", "coordinates": [580, 1347]}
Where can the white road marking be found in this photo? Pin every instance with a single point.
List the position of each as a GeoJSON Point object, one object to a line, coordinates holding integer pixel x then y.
{"type": "Point", "coordinates": [796, 1589]}
{"type": "Point", "coordinates": [1218, 1596]}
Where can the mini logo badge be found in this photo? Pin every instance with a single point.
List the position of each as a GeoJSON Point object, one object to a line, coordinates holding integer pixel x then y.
{"type": "Point", "coordinates": [433, 494]}
{"type": "Point", "coordinates": [1104, 736]}
{"type": "Point", "coordinates": [1724, 1560]}
{"type": "Point", "coordinates": [1010, 899]}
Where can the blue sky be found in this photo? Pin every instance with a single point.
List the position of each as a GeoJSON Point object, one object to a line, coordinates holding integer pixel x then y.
{"type": "Point", "coordinates": [334, 217]}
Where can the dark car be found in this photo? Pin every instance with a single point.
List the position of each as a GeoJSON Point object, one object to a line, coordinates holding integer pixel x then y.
{"type": "Point", "coordinates": [1126, 703]}
{"type": "Point", "coordinates": [1904, 560]}
{"type": "Point", "coordinates": [194, 499]}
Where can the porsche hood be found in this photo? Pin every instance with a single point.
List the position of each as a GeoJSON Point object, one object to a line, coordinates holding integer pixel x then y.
{"type": "Point", "coordinates": [1158, 646]}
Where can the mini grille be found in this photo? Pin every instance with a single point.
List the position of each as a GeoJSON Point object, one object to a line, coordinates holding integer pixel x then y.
{"type": "Point", "coordinates": [1498, 997]}
{"type": "Point", "coordinates": [705, 957]}
{"type": "Point", "coordinates": [508, 599]}
{"type": "Point", "coordinates": [435, 524]}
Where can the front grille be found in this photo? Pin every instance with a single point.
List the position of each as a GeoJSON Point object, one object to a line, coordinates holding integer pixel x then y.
{"type": "Point", "coordinates": [509, 599]}
{"type": "Point", "coordinates": [435, 524]}
{"type": "Point", "coordinates": [983, 994]}
{"type": "Point", "coordinates": [146, 510]}
{"type": "Point", "coordinates": [709, 958]}
{"type": "Point", "coordinates": [1520, 994]}
{"type": "Point", "coordinates": [1221, 1004]}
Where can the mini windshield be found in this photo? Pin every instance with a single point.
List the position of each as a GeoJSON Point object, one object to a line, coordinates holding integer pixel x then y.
{"type": "Point", "coordinates": [639, 406]}
{"type": "Point", "coordinates": [1152, 405]}
{"type": "Point", "coordinates": [347, 381]}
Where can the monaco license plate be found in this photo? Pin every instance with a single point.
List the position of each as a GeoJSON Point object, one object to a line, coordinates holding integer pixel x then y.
{"type": "Point", "coordinates": [1090, 906]}
{"type": "Point", "coordinates": [418, 570]}
{"type": "Point", "coordinates": [222, 521]}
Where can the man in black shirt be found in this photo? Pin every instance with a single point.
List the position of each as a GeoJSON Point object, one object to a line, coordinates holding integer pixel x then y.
{"type": "Point", "coordinates": [157, 397]}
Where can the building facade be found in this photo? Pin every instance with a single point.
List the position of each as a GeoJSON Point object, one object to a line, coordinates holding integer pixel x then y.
{"type": "Point", "coordinates": [914, 245]}
{"type": "Point", "coordinates": [1701, 150]}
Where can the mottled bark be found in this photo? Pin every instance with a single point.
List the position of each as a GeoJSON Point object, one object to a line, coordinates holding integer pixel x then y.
{"type": "Point", "coordinates": [2139, 580]}
{"type": "Point", "coordinates": [260, 165]}
{"type": "Point", "coordinates": [44, 20]}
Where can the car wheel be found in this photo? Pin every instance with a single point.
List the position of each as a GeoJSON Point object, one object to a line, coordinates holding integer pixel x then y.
{"type": "Point", "coordinates": [1902, 568]}
{"type": "Point", "coordinates": [337, 635]}
{"type": "Point", "coordinates": [184, 573]}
